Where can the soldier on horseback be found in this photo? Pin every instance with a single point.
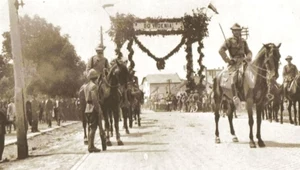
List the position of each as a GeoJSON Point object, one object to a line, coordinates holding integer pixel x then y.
{"type": "Point", "coordinates": [98, 62]}
{"type": "Point", "coordinates": [239, 52]}
{"type": "Point", "coordinates": [289, 73]}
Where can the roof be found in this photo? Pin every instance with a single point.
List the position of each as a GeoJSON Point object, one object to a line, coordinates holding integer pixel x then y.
{"type": "Point", "coordinates": [162, 78]}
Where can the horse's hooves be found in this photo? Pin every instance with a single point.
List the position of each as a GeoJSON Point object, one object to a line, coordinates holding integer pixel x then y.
{"type": "Point", "coordinates": [217, 140]}
{"type": "Point", "coordinates": [252, 145]}
{"type": "Point", "coordinates": [111, 134]}
{"type": "Point", "coordinates": [108, 143]}
{"type": "Point", "coordinates": [127, 131]}
{"type": "Point", "coordinates": [120, 143]}
{"type": "Point", "coordinates": [235, 139]}
{"type": "Point", "coordinates": [291, 122]}
{"type": "Point", "coordinates": [261, 143]}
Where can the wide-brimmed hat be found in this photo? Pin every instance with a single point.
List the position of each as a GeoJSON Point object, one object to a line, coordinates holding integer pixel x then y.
{"type": "Point", "coordinates": [289, 57]}
{"type": "Point", "coordinates": [101, 47]}
{"type": "Point", "coordinates": [236, 26]}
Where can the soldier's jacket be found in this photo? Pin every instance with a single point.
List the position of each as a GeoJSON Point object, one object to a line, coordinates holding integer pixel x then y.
{"type": "Point", "coordinates": [238, 48]}
{"type": "Point", "coordinates": [289, 72]}
{"type": "Point", "coordinates": [92, 97]}
{"type": "Point", "coordinates": [97, 63]}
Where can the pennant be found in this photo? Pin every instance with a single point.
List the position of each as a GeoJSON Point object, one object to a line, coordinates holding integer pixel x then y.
{"type": "Point", "coordinates": [213, 8]}
{"type": "Point", "coordinates": [107, 5]}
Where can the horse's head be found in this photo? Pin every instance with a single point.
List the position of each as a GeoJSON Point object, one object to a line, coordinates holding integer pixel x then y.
{"type": "Point", "coordinates": [119, 74]}
{"type": "Point", "coordinates": [271, 60]}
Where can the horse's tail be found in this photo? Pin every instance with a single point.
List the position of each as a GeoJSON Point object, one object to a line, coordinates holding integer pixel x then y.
{"type": "Point", "coordinates": [215, 86]}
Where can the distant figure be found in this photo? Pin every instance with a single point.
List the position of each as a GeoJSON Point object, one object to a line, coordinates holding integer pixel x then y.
{"type": "Point", "coordinates": [11, 115]}
{"type": "Point", "coordinates": [48, 111]}
{"type": "Point", "coordinates": [35, 114]}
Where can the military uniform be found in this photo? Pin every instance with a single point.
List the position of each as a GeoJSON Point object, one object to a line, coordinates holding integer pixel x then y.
{"type": "Point", "coordinates": [238, 51]}
{"type": "Point", "coordinates": [290, 71]}
{"type": "Point", "coordinates": [93, 112]}
{"type": "Point", "coordinates": [98, 62]}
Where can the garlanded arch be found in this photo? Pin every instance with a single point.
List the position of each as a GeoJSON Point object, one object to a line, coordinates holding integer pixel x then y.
{"type": "Point", "coordinates": [192, 28]}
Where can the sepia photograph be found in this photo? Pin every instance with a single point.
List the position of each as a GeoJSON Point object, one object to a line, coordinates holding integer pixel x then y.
{"type": "Point", "coordinates": [149, 84]}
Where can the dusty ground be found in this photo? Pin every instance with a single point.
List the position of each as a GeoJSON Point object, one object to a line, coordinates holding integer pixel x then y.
{"type": "Point", "coordinates": [168, 141]}
{"type": "Point", "coordinates": [58, 149]}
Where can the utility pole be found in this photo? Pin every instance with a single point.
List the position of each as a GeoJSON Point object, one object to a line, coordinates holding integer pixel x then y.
{"type": "Point", "coordinates": [21, 122]}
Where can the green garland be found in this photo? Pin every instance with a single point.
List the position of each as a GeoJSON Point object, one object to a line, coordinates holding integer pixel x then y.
{"type": "Point", "coordinates": [160, 62]}
{"type": "Point", "coordinates": [195, 29]}
{"type": "Point", "coordinates": [131, 52]}
{"type": "Point", "coordinates": [189, 65]}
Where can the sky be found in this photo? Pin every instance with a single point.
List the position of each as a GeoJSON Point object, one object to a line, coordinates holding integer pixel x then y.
{"type": "Point", "coordinates": [276, 21]}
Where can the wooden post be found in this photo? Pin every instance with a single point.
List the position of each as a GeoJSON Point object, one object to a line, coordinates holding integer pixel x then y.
{"type": "Point", "coordinates": [101, 37]}
{"type": "Point", "coordinates": [21, 122]}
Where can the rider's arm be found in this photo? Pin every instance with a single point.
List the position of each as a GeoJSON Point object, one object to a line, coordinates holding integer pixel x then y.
{"type": "Point", "coordinates": [222, 52]}
{"type": "Point", "coordinates": [284, 72]}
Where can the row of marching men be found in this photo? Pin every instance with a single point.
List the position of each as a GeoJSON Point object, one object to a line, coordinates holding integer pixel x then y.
{"type": "Point", "coordinates": [191, 102]}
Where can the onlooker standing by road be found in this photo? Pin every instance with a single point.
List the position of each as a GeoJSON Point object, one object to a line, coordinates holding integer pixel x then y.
{"type": "Point", "coordinates": [3, 123]}
{"type": "Point", "coordinates": [29, 111]}
{"type": "Point", "coordinates": [35, 114]}
{"type": "Point", "coordinates": [48, 111]}
{"type": "Point", "coordinates": [11, 115]}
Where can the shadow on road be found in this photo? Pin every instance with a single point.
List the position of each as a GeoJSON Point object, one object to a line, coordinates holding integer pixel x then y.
{"type": "Point", "coordinates": [282, 145]}
{"type": "Point", "coordinates": [144, 143]}
{"type": "Point", "coordinates": [273, 144]}
{"type": "Point", "coordinates": [133, 150]}
{"type": "Point", "coordinates": [138, 134]}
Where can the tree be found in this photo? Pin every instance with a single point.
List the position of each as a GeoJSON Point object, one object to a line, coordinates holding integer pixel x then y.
{"type": "Point", "coordinates": [51, 64]}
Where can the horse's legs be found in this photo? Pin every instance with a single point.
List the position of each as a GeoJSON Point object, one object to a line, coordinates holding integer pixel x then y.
{"type": "Point", "coordinates": [258, 122]}
{"type": "Point", "coordinates": [249, 104]}
{"type": "Point", "coordinates": [130, 112]}
{"type": "Point", "coordinates": [281, 111]}
{"type": "Point", "coordinates": [230, 117]}
{"type": "Point", "coordinates": [290, 112]}
{"type": "Point", "coordinates": [138, 115]}
{"type": "Point", "coordinates": [111, 122]}
{"type": "Point", "coordinates": [217, 118]}
{"type": "Point", "coordinates": [125, 116]}
{"type": "Point", "coordinates": [105, 115]}
{"type": "Point", "coordinates": [116, 123]}
{"type": "Point", "coordinates": [295, 112]}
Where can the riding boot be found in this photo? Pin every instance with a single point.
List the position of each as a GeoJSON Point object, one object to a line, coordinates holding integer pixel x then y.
{"type": "Point", "coordinates": [103, 142]}
{"type": "Point", "coordinates": [91, 146]}
{"type": "Point", "coordinates": [235, 98]}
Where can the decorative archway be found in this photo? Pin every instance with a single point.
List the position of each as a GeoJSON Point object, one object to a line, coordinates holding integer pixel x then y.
{"type": "Point", "coordinates": [193, 29]}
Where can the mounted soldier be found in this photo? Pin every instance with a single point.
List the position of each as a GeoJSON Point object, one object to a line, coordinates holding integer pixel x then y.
{"type": "Point", "coordinates": [239, 52]}
{"type": "Point", "coordinates": [98, 62]}
{"type": "Point", "coordinates": [290, 71]}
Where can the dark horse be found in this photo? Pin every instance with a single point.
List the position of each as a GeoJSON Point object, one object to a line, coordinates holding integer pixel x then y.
{"type": "Point", "coordinates": [293, 98]}
{"type": "Point", "coordinates": [116, 82]}
{"type": "Point", "coordinates": [253, 89]}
